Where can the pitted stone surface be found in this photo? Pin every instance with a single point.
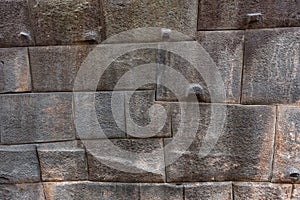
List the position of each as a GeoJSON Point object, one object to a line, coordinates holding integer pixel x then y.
{"type": "Point", "coordinates": [161, 192]}
{"type": "Point", "coordinates": [22, 191]}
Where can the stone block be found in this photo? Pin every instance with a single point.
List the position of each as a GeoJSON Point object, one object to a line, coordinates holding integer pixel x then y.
{"type": "Point", "coordinates": [271, 70]}
{"type": "Point", "coordinates": [19, 164]}
{"type": "Point", "coordinates": [208, 191]}
{"type": "Point", "coordinates": [249, 191]}
{"type": "Point", "coordinates": [241, 151]}
{"type": "Point", "coordinates": [65, 22]}
{"type": "Point", "coordinates": [22, 191]}
{"type": "Point", "coordinates": [15, 29]}
{"type": "Point", "coordinates": [14, 70]}
{"type": "Point", "coordinates": [287, 148]}
{"type": "Point", "coordinates": [296, 192]}
{"type": "Point", "coordinates": [161, 192]}
{"type": "Point", "coordinates": [124, 160]}
{"type": "Point", "coordinates": [36, 118]}
{"type": "Point", "coordinates": [227, 14]}
{"type": "Point", "coordinates": [63, 161]}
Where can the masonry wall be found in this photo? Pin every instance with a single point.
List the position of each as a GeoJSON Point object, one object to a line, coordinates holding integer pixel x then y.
{"type": "Point", "coordinates": [255, 46]}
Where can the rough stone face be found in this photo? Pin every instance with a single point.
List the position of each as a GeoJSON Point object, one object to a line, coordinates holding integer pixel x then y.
{"type": "Point", "coordinates": [22, 191]}
{"type": "Point", "coordinates": [247, 191]}
{"type": "Point", "coordinates": [62, 161]}
{"type": "Point", "coordinates": [161, 192]}
{"type": "Point", "coordinates": [271, 72]}
{"type": "Point", "coordinates": [19, 164]}
{"type": "Point", "coordinates": [208, 191]}
{"type": "Point", "coordinates": [126, 15]}
{"type": "Point", "coordinates": [226, 14]}
{"type": "Point", "coordinates": [14, 70]}
{"type": "Point", "coordinates": [124, 160]}
{"type": "Point", "coordinates": [15, 27]}
{"type": "Point", "coordinates": [243, 151]}
{"type": "Point", "coordinates": [36, 118]}
{"type": "Point", "coordinates": [286, 164]}
{"type": "Point", "coordinates": [296, 192]}
{"type": "Point", "coordinates": [65, 22]}
{"type": "Point", "coordinates": [90, 191]}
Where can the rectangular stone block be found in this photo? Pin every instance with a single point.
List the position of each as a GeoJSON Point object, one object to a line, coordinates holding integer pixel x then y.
{"type": "Point", "coordinates": [15, 24]}
{"type": "Point", "coordinates": [161, 192]}
{"type": "Point", "coordinates": [139, 122]}
{"type": "Point", "coordinates": [176, 15]}
{"type": "Point", "coordinates": [65, 22]}
{"type": "Point", "coordinates": [296, 192]}
{"type": "Point", "coordinates": [124, 160]}
{"type": "Point", "coordinates": [40, 117]}
{"type": "Point", "coordinates": [286, 160]}
{"type": "Point", "coordinates": [14, 70]}
{"type": "Point", "coordinates": [239, 150]}
{"type": "Point", "coordinates": [19, 164]}
{"type": "Point", "coordinates": [227, 14]}
{"type": "Point", "coordinates": [271, 70]}
{"type": "Point", "coordinates": [90, 191]}
{"type": "Point", "coordinates": [208, 191]}
{"type": "Point", "coordinates": [22, 191]}
{"type": "Point", "coordinates": [249, 191]}
{"type": "Point", "coordinates": [63, 161]}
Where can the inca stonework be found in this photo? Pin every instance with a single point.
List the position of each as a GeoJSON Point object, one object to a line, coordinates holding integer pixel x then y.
{"type": "Point", "coordinates": [143, 142]}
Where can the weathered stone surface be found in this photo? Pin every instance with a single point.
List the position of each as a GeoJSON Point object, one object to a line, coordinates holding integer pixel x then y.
{"type": "Point", "coordinates": [90, 191]}
{"type": "Point", "coordinates": [15, 27]}
{"type": "Point", "coordinates": [139, 160]}
{"type": "Point", "coordinates": [36, 118]}
{"type": "Point", "coordinates": [55, 68]}
{"type": "Point", "coordinates": [286, 164]}
{"type": "Point", "coordinates": [19, 164]}
{"type": "Point", "coordinates": [63, 161]}
{"type": "Point", "coordinates": [208, 191]}
{"type": "Point", "coordinates": [268, 191]}
{"type": "Point", "coordinates": [161, 192]}
{"type": "Point", "coordinates": [126, 15]}
{"type": "Point", "coordinates": [296, 192]}
{"type": "Point", "coordinates": [14, 70]}
{"type": "Point", "coordinates": [243, 151]}
{"type": "Point", "coordinates": [271, 72]}
{"type": "Point", "coordinates": [226, 14]}
{"type": "Point", "coordinates": [65, 22]}
{"type": "Point", "coordinates": [139, 122]}
{"type": "Point", "coordinates": [22, 191]}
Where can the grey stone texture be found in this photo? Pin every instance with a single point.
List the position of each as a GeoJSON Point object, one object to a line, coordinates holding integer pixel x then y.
{"type": "Point", "coordinates": [14, 70]}
{"type": "Point", "coordinates": [208, 191]}
{"type": "Point", "coordinates": [32, 191]}
{"type": "Point", "coordinates": [19, 164]}
{"type": "Point", "coordinates": [64, 161]}
{"type": "Point", "coordinates": [243, 151]}
{"type": "Point", "coordinates": [271, 71]}
{"type": "Point", "coordinates": [268, 191]}
{"type": "Point", "coordinates": [228, 14]}
{"type": "Point", "coordinates": [15, 28]}
{"type": "Point", "coordinates": [296, 192]}
{"type": "Point", "coordinates": [65, 22]}
{"type": "Point", "coordinates": [29, 118]}
{"type": "Point", "coordinates": [286, 159]}
{"type": "Point", "coordinates": [161, 192]}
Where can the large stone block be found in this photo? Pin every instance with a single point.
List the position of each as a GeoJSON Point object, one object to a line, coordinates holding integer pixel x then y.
{"type": "Point", "coordinates": [63, 161]}
{"type": "Point", "coordinates": [241, 151]}
{"type": "Point", "coordinates": [208, 191]}
{"type": "Point", "coordinates": [286, 164]}
{"type": "Point", "coordinates": [228, 14]}
{"type": "Point", "coordinates": [19, 164]}
{"type": "Point", "coordinates": [271, 71]}
{"type": "Point", "coordinates": [14, 70]}
{"type": "Point", "coordinates": [36, 118]}
{"type": "Point", "coordinates": [126, 15]}
{"type": "Point", "coordinates": [15, 29]}
{"type": "Point", "coordinates": [249, 191]}
{"type": "Point", "coordinates": [90, 191]}
{"type": "Point", "coordinates": [22, 191]}
{"type": "Point", "coordinates": [161, 192]}
{"type": "Point", "coordinates": [124, 160]}
{"type": "Point", "coordinates": [65, 22]}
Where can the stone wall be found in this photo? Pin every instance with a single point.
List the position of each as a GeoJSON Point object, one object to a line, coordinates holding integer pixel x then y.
{"type": "Point", "coordinates": [255, 45]}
